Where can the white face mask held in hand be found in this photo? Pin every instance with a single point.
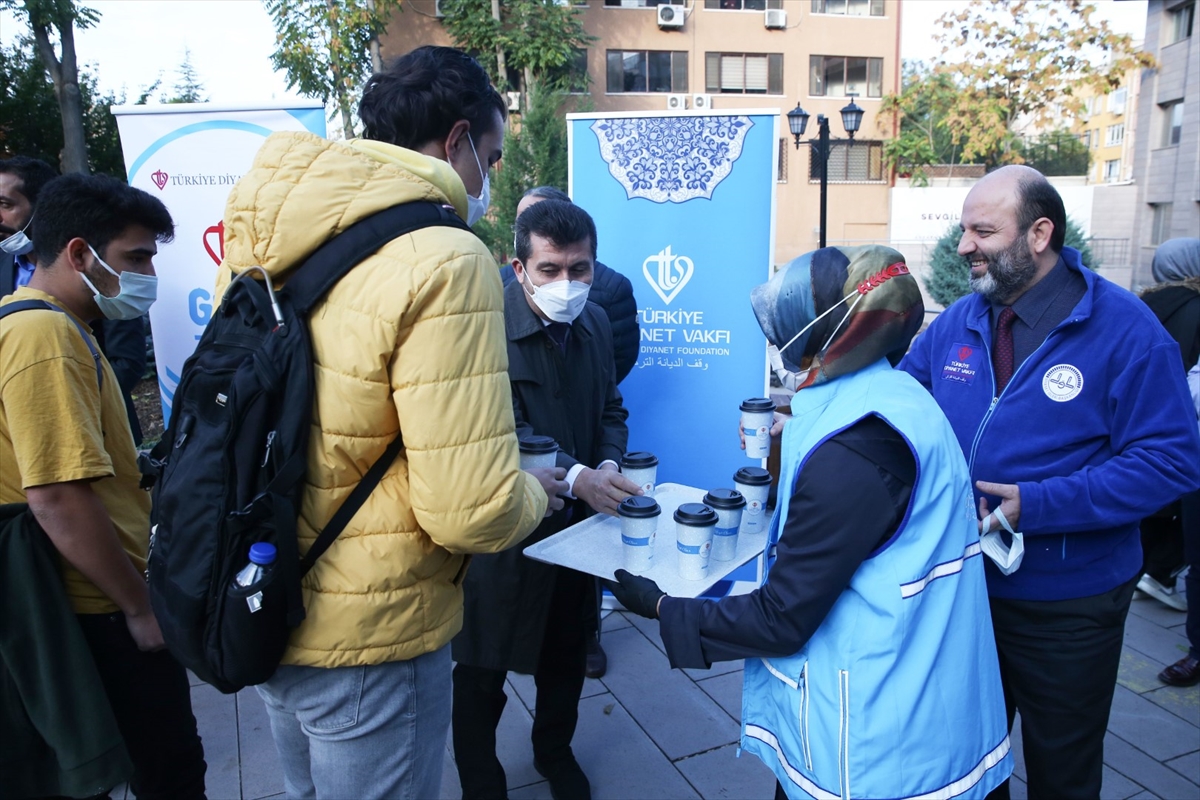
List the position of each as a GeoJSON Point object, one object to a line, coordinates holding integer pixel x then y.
{"type": "Point", "coordinates": [478, 206]}
{"type": "Point", "coordinates": [1007, 559]}
{"type": "Point", "coordinates": [560, 301]}
{"type": "Point", "coordinates": [138, 292]}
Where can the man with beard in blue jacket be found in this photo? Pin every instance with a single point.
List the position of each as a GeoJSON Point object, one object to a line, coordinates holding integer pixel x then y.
{"type": "Point", "coordinates": [1068, 399]}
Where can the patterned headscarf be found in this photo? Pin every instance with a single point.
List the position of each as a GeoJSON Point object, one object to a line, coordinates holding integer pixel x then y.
{"type": "Point", "coordinates": [874, 309]}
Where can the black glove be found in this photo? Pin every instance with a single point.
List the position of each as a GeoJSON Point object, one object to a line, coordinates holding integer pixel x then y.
{"type": "Point", "coordinates": [639, 595]}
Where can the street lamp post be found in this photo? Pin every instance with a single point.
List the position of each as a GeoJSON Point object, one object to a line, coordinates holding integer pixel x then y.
{"type": "Point", "coordinates": [798, 121]}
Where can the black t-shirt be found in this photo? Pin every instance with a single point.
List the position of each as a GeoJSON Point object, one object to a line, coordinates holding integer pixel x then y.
{"type": "Point", "coordinates": [849, 499]}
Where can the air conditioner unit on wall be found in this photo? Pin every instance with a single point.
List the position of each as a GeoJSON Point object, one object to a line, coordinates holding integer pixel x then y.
{"type": "Point", "coordinates": [671, 17]}
{"type": "Point", "coordinates": [437, 9]}
{"type": "Point", "coordinates": [776, 18]}
{"type": "Point", "coordinates": [514, 101]}
{"type": "Point", "coordinates": [702, 102]}
{"type": "Point", "coordinates": [677, 102]}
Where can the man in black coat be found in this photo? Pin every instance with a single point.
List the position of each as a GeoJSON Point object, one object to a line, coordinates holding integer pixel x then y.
{"type": "Point", "coordinates": [123, 342]}
{"type": "Point", "coordinates": [520, 614]}
{"type": "Point", "coordinates": [613, 292]}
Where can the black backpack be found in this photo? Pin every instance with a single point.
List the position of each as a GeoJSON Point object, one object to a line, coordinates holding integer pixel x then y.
{"type": "Point", "coordinates": [230, 468]}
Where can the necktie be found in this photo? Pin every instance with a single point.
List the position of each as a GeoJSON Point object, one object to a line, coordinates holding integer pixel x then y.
{"type": "Point", "coordinates": [558, 332]}
{"type": "Point", "coordinates": [1003, 359]}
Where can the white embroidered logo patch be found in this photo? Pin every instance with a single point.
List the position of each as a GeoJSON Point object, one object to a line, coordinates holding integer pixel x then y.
{"type": "Point", "coordinates": [1062, 382]}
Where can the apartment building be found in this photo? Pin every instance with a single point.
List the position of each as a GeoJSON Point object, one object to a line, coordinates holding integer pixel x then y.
{"type": "Point", "coordinates": [1166, 164]}
{"type": "Point", "coordinates": [1108, 126]}
{"type": "Point", "coordinates": [669, 55]}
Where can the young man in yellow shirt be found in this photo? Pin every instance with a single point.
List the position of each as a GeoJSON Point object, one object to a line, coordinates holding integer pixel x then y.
{"type": "Point", "coordinates": [66, 449]}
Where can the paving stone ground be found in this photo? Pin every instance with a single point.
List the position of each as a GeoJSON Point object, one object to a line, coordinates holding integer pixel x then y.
{"type": "Point", "coordinates": [647, 731]}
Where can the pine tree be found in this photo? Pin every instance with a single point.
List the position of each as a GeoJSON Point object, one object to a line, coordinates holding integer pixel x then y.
{"type": "Point", "coordinates": [949, 274]}
{"type": "Point", "coordinates": [188, 89]}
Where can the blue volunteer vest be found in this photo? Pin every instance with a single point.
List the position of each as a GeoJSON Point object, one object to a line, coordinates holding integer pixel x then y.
{"type": "Point", "coordinates": [897, 694]}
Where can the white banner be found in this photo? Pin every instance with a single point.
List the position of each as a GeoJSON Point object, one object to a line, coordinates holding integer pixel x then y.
{"type": "Point", "coordinates": [190, 156]}
{"type": "Point", "coordinates": [926, 213]}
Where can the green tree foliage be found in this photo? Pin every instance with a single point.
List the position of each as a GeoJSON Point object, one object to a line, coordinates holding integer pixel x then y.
{"type": "Point", "coordinates": [188, 88]}
{"type": "Point", "coordinates": [923, 105]}
{"type": "Point", "coordinates": [949, 274]}
{"type": "Point", "coordinates": [535, 154]}
{"type": "Point", "coordinates": [57, 19]}
{"type": "Point", "coordinates": [30, 124]}
{"type": "Point", "coordinates": [1021, 61]}
{"type": "Point", "coordinates": [325, 47]}
{"type": "Point", "coordinates": [1056, 153]}
{"type": "Point", "coordinates": [537, 39]}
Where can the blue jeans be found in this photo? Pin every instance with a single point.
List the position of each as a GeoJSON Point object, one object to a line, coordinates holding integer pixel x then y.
{"type": "Point", "coordinates": [362, 732]}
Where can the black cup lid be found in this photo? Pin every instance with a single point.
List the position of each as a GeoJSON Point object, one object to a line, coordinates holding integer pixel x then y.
{"type": "Point", "coordinates": [724, 498]}
{"type": "Point", "coordinates": [753, 476]}
{"type": "Point", "coordinates": [696, 514]}
{"type": "Point", "coordinates": [537, 445]}
{"type": "Point", "coordinates": [639, 507]}
{"type": "Point", "coordinates": [758, 405]}
{"type": "Point", "coordinates": [639, 460]}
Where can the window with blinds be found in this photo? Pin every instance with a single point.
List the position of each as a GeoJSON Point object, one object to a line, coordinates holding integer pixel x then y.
{"type": "Point", "coordinates": [743, 73]}
{"type": "Point", "coordinates": [850, 162]}
{"type": "Point", "coordinates": [742, 5]}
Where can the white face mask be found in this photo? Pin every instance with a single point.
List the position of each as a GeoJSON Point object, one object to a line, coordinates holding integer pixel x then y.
{"type": "Point", "coordinates": [478, 206]}
{"type": "Point", "coordinates": [1007, 559]}
{"type": "Point", "coordinates": [787, 379]}
{"type": "Point", "coordinates": [18, 244]}
{"type": "Point", "coordinates": [138, 292]}
{"type": "Point", "coordinates": [560, 301]}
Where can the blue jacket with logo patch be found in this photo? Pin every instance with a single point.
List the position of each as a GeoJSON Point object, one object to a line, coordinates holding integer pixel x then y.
{"type": "Point", "coordinates": [1096, 427]}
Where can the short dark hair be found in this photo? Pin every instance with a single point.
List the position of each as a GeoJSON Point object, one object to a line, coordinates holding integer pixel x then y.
{"type": "Point", "coordinates": [547, 193]}
{"type": "Point", "coordinates": [419, 96]}
{"type": "Point", "coordinates": [33, 173]}
{"type": "Point", "coordinates": [97, 208]}
{"type": "Point", "coordinates": [1039, 199]}
{"type": "Point", "coordinates": [563, 223]}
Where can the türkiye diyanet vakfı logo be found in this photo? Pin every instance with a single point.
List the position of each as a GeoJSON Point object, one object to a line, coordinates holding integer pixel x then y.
{"type": "Point", "coordinates": [675, 338]}
{"type": "Point", "coordinates": [162, 179]}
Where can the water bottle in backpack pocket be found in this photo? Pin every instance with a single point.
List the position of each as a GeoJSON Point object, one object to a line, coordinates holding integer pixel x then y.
{"type": "Point", "coordinates": [254, 630]}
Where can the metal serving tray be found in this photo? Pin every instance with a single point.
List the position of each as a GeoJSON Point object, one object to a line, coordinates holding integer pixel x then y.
{"type": "Point", "coordinates": [594, 546]}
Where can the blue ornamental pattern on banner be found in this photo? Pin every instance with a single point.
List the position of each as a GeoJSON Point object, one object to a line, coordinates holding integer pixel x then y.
{"type": "Point", "coordinates": [671, 159]}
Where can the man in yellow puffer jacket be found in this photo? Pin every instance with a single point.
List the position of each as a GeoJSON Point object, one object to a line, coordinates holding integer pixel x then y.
{"type": "Point", "coordinates": [411, 340]}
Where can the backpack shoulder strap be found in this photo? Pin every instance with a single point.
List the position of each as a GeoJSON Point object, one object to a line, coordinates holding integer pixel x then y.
{"type": "Point", "coordinates": [332, 260]}
{"type": "Point", "coordinates": [351, 504]}
{"type": "Point", "coordinates": [31, 305]}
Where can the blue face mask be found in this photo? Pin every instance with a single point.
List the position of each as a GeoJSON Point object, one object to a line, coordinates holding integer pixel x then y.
{"type": "Point", "coordinates": [138, 292]}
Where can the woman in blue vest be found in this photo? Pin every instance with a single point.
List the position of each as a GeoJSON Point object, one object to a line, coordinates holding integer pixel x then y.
{"type": "Point", "coordinates": [870, 664]}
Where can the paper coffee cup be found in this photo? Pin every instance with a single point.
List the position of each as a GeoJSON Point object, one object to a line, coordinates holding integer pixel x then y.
{"type": "Point", "coordinates": [641, 468]}
{"type": "Point", "coordinates": [639, 522]}
{"type": "Point", "coordinates": [694, 525]}
{"type": "Point", "coordinates": [538, 452]}
{"type": "Point", "coordinates": [758, 414]}
{"type": "Point", "coordinates": [728, 503]}
{"type": "Point", "coordinates": [755, 485]}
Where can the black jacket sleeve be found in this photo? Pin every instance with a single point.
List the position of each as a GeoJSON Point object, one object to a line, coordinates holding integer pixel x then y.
{"type": "Point", "coordinates": [848, 500]}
